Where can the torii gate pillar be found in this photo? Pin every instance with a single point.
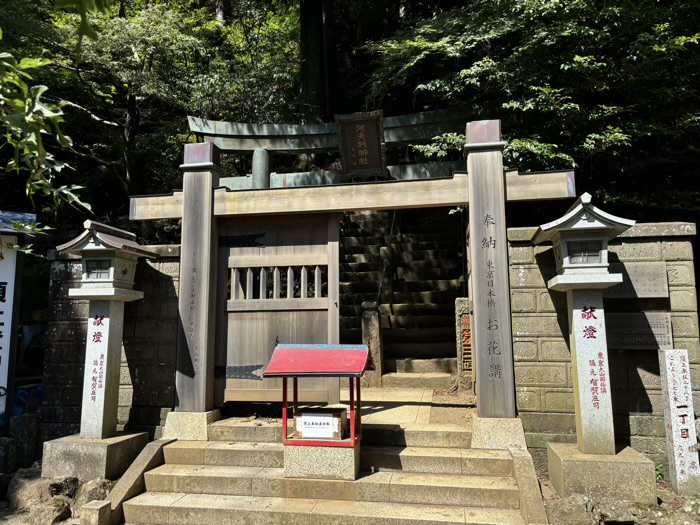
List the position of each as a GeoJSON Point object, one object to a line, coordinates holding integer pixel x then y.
{"type": "Point", "coordinates": [488, 254]}
{"type": "Point", "coordinates": [194, 379]}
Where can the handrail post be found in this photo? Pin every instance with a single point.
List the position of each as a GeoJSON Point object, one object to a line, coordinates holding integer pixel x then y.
{"type": "Point", "coordinates": [372, 337]}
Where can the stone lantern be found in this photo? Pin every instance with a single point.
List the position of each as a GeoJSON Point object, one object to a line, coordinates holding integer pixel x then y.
{"type": "Point", "coordinates": [109, 259]}
{"type": "Point", "coordinates": [592, 466]}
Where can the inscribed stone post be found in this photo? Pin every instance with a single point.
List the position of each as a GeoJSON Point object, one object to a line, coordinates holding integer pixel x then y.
{"type": "Point", "coordinates": [98, 419]}
{"type": "Point", "coordinates": [488, 253]}
{"type": "Point", "coordinates": [681, 437]}
{"type": "Point", "coordinates": [194, 379]}
{"type": "Point", "coordinates": [8, 303]}
{"type": "Point", "coordinates": [591, 377]}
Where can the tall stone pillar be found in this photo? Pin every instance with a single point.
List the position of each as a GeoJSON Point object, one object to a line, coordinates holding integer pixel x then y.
{"type": "Point", "coordinates": [488, 254]}
{"type": "Point", "coordinates": [194, 379]}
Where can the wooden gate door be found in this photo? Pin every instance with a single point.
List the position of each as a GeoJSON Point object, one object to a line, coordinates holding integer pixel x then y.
{"type": "Point", "coordinates": [278, 279]}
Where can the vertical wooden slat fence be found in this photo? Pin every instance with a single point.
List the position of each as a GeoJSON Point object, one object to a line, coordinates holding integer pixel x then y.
{"type": "Point", "coordinates": [272, 300]}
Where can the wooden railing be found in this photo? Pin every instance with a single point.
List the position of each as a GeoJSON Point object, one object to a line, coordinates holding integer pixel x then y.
{"type": "Point", "coordinates": [267, 283]}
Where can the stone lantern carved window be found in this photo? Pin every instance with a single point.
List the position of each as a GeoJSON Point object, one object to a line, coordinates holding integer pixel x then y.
{"type": "Point", "coordinates": [98, 269]}
{"type": "Point", "coordinates": [583, 252]}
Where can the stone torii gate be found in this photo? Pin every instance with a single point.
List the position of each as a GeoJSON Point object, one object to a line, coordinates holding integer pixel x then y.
{"type": "Point", "coordinates": [485, 188]}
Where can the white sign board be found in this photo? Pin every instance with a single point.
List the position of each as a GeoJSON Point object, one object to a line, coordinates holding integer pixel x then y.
{"type": "Point", "coordinates": [8, 268]}
{"type": "Point", "coordinates": [316, 426]}
{"type": "Point", "coordinates": [681, 438]}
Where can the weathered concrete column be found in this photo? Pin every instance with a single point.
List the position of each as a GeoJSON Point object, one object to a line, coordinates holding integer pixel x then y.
{"type": "Point", "coordinates": [372, 337]}
{"type": "Point", "coordinates": [488, 254]}
{"type": "Point", "coordinates": [261, 169]}
{"type": "Point", "coordinates": [194, 379]}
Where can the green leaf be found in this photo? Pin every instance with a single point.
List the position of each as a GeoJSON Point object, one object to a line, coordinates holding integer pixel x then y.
{"type": "Point", "coordinates": [31, 63]}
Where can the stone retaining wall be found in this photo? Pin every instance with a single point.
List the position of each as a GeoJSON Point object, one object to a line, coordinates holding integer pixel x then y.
{"type": "Point", "coordinates": [541, 350]}
{"type": "Point", "coordinates": [147, 378]}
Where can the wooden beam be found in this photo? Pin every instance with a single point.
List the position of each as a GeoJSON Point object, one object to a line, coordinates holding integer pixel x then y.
{"type": "Point", "coordinates": [149, 207]}
{"type": "Point", "coordinates": [300, 259]}
{"type": "Point", "coordinates": [428, 193]}
{"type": "Point", "coordinates": [281, 304]}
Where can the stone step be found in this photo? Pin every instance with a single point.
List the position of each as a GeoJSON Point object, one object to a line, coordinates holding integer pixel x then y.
{"type": "Point", "coordinates": [427, 285]}
{"type": "Point", "coordinates": [435, 380]}
{"type": "Point", "coordinates": [403, 273]}
{"type": "Point", "coordinates": [451, 262]}
{"type": "Point", "coordinates": [349, 287]}
{"type": "Point", "coordinates": [411, 435]}
{"type": "Point", "coordinates": [428, 255]}
{"type": "Point", "coordinates": [416, 321]}
{"type": "Point", "coordinates": [418, 246]}
{"type": "Point", "coordinates": [349, 258]}
{"type": "Point", "coordinates": [417, 309]}
{"type": "Point", "coordinates": [372, 266]}
{"type": "Point", "coordinates": [421, 366]}
{"type": "Point", "coordinates": [368, 239]}
{"type": "Point", "coordinates": [421, 335]}
{"type": "Point", "coordinates": [416, 435]}
{"type": "Point", "coordinates": [421, 350]}
{"type": "Point", "coordinates": [447, 296]}
{"type": "Point", "coordinates": [398, 263]}
{"type": "Point", "coordinates": [352, 299]}
{"type": "Point", "coordinates": [161, 508]}
{"type": "Point", "coordinates": [394, 487]}
{"type": "Point", "coordinates": [370, 250]}
{"type": "Point", "coordinates": [411, 286]}
{"type": "Point", "coordinates": [224, 453]}
{"type": "Point", "coordinates": [402, 255]}
{"type": "Point", "coordinates": [437, 460]}
{"type": "Point", "coordinates": [252, 431]}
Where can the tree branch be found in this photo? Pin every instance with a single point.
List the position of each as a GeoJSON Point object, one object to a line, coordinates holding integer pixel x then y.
{"type": "Point", "coordinates": [63, 102]}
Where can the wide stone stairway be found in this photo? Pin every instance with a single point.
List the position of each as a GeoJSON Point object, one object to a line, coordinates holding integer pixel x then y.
{"type": "Point", "coordinates": [411, 475]}
{"type": "Point", "coordinates": [410, 263]}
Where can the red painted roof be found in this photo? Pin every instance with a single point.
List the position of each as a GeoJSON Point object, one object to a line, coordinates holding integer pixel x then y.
{"type": "Point", "coordinates": [318, 360]}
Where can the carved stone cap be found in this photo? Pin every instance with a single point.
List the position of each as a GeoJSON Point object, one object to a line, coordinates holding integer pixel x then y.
{"type": "Point", "coordinates": [100, 237]}
{"type": "Point", "coordinates": [585, 219]}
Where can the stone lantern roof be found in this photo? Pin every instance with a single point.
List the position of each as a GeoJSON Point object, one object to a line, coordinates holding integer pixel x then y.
{"type": "Point", "coordinates": [99, 237]}
{"type": "Point", "coordinates": [583, 219]}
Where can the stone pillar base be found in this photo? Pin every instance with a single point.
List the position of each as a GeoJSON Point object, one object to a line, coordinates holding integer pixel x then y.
{"type": "Point", "coordinates": [321, 462]}
{"type": "Point", "coordinates": [88, 459]}
{"type": "Point", "coordinates": [627, 475]}
{"type": "Point", "coordinates": [497, 433]}
{"type": "Point", "coordinates": [190, 426]}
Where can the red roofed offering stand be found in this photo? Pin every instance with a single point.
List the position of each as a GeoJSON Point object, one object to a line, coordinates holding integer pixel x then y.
{"type": "Point", "coordinates": [321, 360]}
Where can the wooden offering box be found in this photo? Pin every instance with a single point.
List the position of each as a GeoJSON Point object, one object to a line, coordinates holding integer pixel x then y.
{"type": "Point", "coordinates": [318, 447]}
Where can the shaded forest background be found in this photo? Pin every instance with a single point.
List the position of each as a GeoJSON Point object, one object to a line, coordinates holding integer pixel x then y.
{"type": "Point", "coordinates": [611, 89]}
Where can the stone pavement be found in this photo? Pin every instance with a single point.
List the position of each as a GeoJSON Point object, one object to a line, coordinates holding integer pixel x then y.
{"type": "Point", "coordinates": [394, 405]}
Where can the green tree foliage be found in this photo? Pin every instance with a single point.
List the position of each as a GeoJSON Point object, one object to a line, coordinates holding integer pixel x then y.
{"type": "Point", "coordinates": [28, 123]}
{"type": "Point", "coordinates": [126, 74]}
{"type": "Point", "coordinates": [612, 88]}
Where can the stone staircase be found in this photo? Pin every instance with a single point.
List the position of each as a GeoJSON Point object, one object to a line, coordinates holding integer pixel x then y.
{"type": "Point", "coordinates": [410, 476]}
{"type": "Point", "coordinates": [423, 276]}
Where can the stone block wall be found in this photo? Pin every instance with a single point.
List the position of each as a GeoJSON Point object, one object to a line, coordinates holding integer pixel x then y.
{"type": "Point", "coordinates": [147, 376]}
{"type": "Point", "coordinates": [543, 379]}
